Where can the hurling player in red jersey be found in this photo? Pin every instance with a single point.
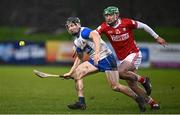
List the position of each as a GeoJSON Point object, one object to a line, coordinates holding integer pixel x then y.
{"type": "Point", "coordinates": [119, 32]}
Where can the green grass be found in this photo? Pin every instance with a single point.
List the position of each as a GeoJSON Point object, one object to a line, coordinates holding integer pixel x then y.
{"type": "Point", "coordinates": [23, 92]}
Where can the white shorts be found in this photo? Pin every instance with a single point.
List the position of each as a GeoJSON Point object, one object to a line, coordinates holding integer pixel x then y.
{"type": "Point", "coordinates": [134, 58]}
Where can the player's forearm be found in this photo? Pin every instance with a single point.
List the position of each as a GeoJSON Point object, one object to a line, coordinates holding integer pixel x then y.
{"type": "Point", "coordinates": [147, 29]}
{"type": "Point", "coordinates": [96, 39]}
{"type": "Point", "coordinates": [75, 65]}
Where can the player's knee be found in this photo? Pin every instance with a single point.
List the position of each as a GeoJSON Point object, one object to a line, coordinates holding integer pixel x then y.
{"type": "Point", "coordinates": [79, 74]}
{"type": "Point", "coordinates": [77, 77]}
{"type": "Point", "coordinates": [115, 88]}
{"type": "Point", "coordinates": [121, 72]}
{"type": "Point", "coordinates": [79, 88]}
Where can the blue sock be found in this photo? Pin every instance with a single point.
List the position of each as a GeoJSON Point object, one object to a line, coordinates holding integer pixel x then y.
{"type": "Point", "coordinates": [82, 100]}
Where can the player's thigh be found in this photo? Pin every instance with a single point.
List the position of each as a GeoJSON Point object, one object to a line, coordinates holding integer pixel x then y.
{"type": "Point", "coordinates": [131, 62]}
{"type": "Point", "coordinates": [84, 69]}
{"type": "Point", "coordinates": [126, 66]}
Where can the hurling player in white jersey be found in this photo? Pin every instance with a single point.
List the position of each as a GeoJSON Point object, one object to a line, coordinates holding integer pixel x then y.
{"type": "Point", "coordinates": [101, 60]}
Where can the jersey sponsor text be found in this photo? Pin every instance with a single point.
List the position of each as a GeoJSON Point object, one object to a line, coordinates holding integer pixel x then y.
{"type": "Point", "coordinates": [121, 37]}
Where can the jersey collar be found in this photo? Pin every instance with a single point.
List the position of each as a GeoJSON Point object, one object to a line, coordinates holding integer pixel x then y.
{"type": "Point", "coordinates": [118, 23]}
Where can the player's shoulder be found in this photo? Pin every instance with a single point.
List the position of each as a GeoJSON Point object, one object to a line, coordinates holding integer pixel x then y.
{"type": "Point", "coordinates": [85, 31]}
{"type": "Point", "coordinates": [128, 21]}
{"type": "Point", "coordinates": [85, 28]}
{"type": "Point", "coordinates": [103, 26]}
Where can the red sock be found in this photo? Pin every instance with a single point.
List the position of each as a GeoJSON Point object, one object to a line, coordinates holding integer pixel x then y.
{"type": "Point", "coordinates": [152, 102]}
{"type": "Point", "coordinates": [141, 79]}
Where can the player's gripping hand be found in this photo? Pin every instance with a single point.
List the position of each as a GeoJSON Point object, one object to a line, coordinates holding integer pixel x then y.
{"type": "Point", "coordinates": [161, 41]}
{"type": "Point", "coordinates": [67, 76]}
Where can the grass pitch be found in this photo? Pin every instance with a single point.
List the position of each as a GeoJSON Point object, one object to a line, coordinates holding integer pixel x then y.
{"type": "Point", "coordinates": [23, 92]}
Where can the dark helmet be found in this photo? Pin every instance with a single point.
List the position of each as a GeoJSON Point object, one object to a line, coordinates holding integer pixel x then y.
{"type": "Point", "coordinates": [74, 20]}
{"type": "Point", "coordinates": [111, 10]}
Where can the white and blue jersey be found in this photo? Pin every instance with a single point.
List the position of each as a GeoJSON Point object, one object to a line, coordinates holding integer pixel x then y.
{"type": "Point", "coordinates": [84, 44]}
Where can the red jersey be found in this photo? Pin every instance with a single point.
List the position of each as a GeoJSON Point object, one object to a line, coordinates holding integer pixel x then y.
{"type": "Point", "coordinates": [121, 37]}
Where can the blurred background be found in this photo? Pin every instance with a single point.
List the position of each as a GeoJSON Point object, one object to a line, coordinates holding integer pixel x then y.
{"type": "Point", "coordinates": [40, 23]}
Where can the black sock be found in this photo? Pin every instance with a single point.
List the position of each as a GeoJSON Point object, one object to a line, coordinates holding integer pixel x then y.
{"type": "Point", "coordinates": [82, 100]}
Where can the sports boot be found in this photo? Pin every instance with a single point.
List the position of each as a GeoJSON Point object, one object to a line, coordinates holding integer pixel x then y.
{"type": "Point", "coordinates": [77, 105]}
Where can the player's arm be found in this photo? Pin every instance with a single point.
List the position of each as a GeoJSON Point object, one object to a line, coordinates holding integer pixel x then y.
{"type": "Point", "coordinates": [96, 39]}
{"type": "Point", "coordinates": [77, 62]}
{"type": "Point", "coordinates": [89, 34]}
{"type": "Point", "coordinates": [149, 30]}
{"type": "Point", "coordinates": [75, 65]}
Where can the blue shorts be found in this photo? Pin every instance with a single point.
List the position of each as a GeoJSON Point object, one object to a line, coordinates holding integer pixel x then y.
{"type": "Point", "coordinates": [108, 63]}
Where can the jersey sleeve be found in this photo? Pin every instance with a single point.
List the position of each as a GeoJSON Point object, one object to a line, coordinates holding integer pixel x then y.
{"type": "Point", "coordinates": [131, 23]}
{"type": "Point", "coordinates": [85, 33]}
{"type": "Point", "coordinates": [147, 29]}
{"type": "Point", "coordinates": [100, 28]}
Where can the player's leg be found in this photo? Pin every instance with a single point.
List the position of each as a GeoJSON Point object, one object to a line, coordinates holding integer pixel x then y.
{"type": "Point", "coordinates": [128, 65]}
{"type": "Point", "coordinates": [153, 104]}
{"type": "Point", "coordinates": [138, 90]}
{"type": "Point", "coordinates": [126, 72]}
{"type": "Point", "coordinates": [109, 66]}
{"type": "Point", "coordinates": [81, 71]}
{"type": "Point", "coordinates": [113, 80]}
{"type": "Point", "coordinates": [133, 85]}
{"type": "Point", "coordinates": [131, 70]}
{"type": "Point", "coordinates": [80, 104]}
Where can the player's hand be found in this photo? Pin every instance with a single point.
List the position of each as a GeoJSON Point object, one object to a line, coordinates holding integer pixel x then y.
{"type": "Point", "coordinates": [96, 58]}
{"type": "Point", "coordinates": [67, 74]}
{"type": "Point", "coordinates": [161, 41]}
